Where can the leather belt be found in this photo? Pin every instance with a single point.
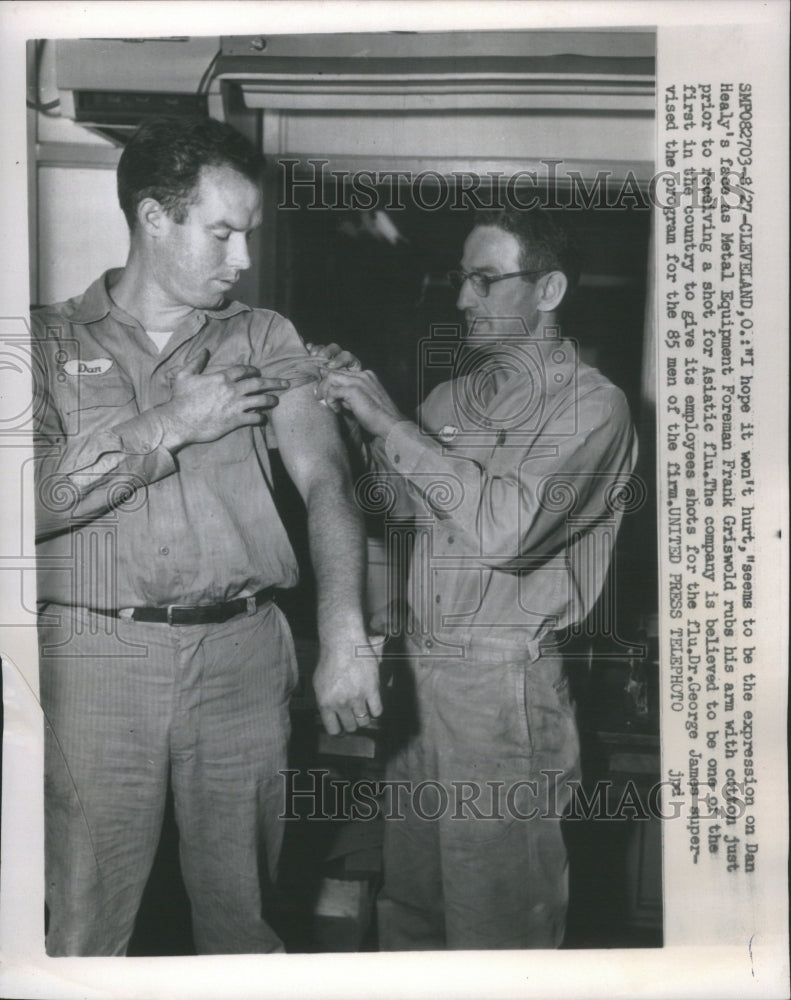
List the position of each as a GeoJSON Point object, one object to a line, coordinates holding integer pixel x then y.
{"type": "Point", "coordinates": [197, 614]}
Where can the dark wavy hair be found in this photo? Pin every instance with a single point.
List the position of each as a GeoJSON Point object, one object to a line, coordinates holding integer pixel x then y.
{"type": "Point", "coordinates": [545, 239]}
{"type": "Point", "coordinates": [164, 157]}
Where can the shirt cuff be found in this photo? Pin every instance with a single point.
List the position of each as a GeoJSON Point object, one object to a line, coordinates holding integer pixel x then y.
{"type": "Point", "coordinates": [408, 450]}
{"type": "Point", "coordinates": [142, 435]}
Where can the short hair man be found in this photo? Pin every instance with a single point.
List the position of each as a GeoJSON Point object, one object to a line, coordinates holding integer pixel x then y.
{"type": "Point", "coordinates": [163, 657]}
{"type": "Point", "coordinates": [492, 462]}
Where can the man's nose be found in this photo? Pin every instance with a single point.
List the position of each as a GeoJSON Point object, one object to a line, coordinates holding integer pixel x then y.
{"type": "Point", "coordinates": [238, 252]}
{"type": "Point", "coordinates": [467, 295]}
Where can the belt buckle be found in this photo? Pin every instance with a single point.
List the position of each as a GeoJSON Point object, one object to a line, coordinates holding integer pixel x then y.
{"type": "Point", "coordinates": [174, 607]}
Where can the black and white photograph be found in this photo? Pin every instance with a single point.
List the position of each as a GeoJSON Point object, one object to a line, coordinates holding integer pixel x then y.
{"type": "Point", "coordinates": [391, 559]}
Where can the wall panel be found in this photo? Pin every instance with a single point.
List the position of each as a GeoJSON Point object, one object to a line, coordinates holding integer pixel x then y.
{"type": "Point", "coordinates": [81, 229]}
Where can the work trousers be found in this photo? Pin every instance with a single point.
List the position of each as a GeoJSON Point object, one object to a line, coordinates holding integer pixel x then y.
{"type": "Point", "coordinates": [129, 705]}
{"type": "Point", "coordinates": [478, 859]}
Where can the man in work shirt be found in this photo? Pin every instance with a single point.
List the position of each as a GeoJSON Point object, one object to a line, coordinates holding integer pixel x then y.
{"type": "Point", "coordinates": [163, 656]}
{"type": "Point", "coordinates": [516, 467]}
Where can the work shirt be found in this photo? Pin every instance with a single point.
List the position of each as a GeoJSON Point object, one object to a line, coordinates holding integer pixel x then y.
{"type": "Point", "coordinates": [121, 521]}
{"type": "Point", "coordinates": [517, 475]}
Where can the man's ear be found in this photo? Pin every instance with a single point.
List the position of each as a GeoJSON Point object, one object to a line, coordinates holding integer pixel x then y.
{"type": "Point", "coordinates": [152, 218]}
{"type": "Point", "coordinates": [552, 287]}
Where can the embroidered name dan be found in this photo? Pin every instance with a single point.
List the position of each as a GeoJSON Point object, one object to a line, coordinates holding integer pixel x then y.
{"type": "Point", "coordinates": [98, 366]}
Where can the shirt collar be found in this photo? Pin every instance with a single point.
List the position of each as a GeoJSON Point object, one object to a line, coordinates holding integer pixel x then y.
{"type": "Point", "coordinates": [95, 304]}
{"type": "Point", "coordinates": [231, 308]}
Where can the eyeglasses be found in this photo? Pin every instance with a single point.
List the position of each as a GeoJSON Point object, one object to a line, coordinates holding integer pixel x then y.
{"type": "Point", "coordinates": [482, 282]}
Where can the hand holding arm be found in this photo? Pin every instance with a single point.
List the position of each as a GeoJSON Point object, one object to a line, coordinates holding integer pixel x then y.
{"type": "Point", "coordinates": [333, 356]}
{"type": "Point", "coordinates": [207, 407]}
{"type": "Point", "coordinates": [362, 394]}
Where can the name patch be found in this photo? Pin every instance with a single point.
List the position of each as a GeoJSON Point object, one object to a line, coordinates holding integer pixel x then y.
{"type": "Point", "coordinates": [96, 367]}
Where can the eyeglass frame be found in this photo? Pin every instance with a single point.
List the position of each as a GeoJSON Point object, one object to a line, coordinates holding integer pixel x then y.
{"type": "Point", "coordinates": [487, 280]}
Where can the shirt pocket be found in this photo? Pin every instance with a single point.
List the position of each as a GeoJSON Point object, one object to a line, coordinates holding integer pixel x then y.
{"type": "Point", "coordinates": [88, 393]}
{"type": "Point", "coordinates": [234, 447]}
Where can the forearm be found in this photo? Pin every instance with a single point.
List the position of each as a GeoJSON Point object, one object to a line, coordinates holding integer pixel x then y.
{"type": "Point", "coordinates": [336, 534]}
{"type": "Point", "coordinates": [346, 679]}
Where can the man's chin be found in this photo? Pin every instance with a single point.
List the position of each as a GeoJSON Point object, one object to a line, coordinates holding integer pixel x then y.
{"type": "Point", "coordinates": [483, 329]}
{"type": "Point", "coordinates": [212, 300]}
{"type": "Point", "coordinates": [497, 329]}
{"type": "Point", "coordinates": [479, 325]}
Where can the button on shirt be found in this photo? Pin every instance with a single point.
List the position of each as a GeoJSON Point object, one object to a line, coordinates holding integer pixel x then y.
{"type": "Point", "coordinates": [516, 478]}
{"type": "Point", "coordinates": [196, 528]}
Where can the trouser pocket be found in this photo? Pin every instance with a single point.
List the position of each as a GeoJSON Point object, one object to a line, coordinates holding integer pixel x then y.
{"type": "Point", "coordinates": [548, 710]}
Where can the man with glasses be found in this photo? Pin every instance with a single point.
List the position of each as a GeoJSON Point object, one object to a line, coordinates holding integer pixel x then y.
{"type": "Point", "coordinates": [512, 469]}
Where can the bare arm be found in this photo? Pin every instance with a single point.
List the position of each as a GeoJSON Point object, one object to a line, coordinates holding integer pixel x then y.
{"type": "Point", "coordinates": [346, 680]}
